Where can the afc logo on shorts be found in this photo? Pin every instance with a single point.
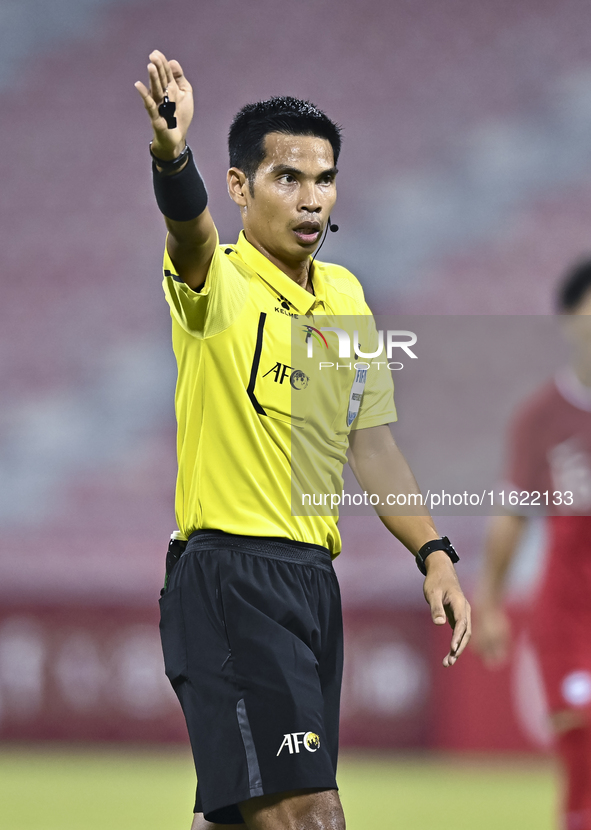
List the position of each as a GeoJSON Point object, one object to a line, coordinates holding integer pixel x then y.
{"type": "Point", "coordinates": [293, 741]}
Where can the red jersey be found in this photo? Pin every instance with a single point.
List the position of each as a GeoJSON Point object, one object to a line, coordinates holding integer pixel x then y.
{"type": "Point", "coordinates": [551, 444]}
{"type": "Point", "coordinates": [550, 449]}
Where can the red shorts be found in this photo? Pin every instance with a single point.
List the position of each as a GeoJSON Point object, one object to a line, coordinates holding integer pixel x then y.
{"type": "Point", "coordinates": [562, 640]}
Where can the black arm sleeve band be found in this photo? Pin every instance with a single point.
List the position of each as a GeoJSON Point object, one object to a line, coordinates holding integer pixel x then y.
{"type": "Point", "coordinates": [182, 196]}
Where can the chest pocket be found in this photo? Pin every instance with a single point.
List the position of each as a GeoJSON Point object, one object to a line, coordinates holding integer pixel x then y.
{"type": "Point", "coordinates": [276, 388]}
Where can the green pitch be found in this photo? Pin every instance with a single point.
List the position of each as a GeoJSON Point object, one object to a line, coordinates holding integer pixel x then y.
{"type": "Point", "coordinates": [148, 789]}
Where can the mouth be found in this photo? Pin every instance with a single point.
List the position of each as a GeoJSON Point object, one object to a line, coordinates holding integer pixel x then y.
{"type": "Point", "coordinates": [308, 232]}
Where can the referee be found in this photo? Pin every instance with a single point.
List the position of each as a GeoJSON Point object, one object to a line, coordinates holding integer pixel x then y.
{"type": "Point", "coordinates": [251, 618]}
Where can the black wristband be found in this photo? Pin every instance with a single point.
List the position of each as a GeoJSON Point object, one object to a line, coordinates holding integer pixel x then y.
{"type": "Point", "coordinates": [180, 196]}
{"type": "Point", "coordinates": [436, 544]}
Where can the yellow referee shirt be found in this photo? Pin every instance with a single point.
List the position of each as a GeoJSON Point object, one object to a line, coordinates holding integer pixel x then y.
{"type": "Point", "coordinates": [246, 403]}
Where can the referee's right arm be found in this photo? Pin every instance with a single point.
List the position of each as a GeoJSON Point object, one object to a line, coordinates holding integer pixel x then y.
{"type": "Point", "coordinates": [179, 190]}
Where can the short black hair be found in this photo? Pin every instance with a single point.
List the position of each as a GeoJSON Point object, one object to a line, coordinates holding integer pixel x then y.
{"type": "Point", "coordinates": [280, 114]}
{"type": "Point", "coordinates": [573, 287]}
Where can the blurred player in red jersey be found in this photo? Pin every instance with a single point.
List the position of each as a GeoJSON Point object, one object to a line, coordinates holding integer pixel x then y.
{"type": "Point", "coordinates": [550, 449]}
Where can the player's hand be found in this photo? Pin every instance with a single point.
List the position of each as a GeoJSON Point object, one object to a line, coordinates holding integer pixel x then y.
{"type": "Point", "coordinates": [447, 602]}
{"type": "Point", "coordinates": [492, 635]}
{"type": "Point", "coordinates": [167, 76]}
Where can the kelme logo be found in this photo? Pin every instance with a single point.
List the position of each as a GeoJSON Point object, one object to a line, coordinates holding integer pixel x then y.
{"type": "Point", "coordinates": [294, 740]}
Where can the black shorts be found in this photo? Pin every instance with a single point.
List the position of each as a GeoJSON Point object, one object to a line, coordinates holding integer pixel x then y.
{"type": "Point", "coordinates": [252, 638]}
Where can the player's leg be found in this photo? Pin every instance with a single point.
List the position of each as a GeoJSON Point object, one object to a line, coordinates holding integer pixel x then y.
{"type": "Point", "coordinates": [201, 823]}
{"type": "Point", "coordinates": [562, 645]}
{"type": "Point", "coordinates": [312, 810]}
{"type": "Point", "coordinates": [573, 744]}
{"type": "Point", "coordinates": [296, 810]}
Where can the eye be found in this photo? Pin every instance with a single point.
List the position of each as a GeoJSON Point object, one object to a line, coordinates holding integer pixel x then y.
{"type": "Point", "coordinates": [287, 178]}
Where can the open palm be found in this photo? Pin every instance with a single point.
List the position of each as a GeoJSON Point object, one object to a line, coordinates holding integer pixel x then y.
{"type": "Point", "coordinates": [167, 77]}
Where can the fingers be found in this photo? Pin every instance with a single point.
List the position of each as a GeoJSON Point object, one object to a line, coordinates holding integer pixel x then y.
{"type": "Point", "coordinates": [460, 617]}
{"type": "Point", "coordinates": [169, 75]}
{"type": "Point", "coordinates": [142, 89]}
{"type": "Point", "coordinates": [160, 63]}
{"type": "Point", "coordinates": [437, 609]}
{"type": "Point", "coordinates": [449, 660]}
{"type": "Point", "coordinates": [156, 88]}
{"type": "Point", "coordinates": [179, 77]}
{"type": "Point", "coordinates": [176, 69]}
{"type": "Point", "coordinates": [161, 75]}
{"type": "Point", "coordinates": [462, 631]}
{"type": "Point", "coordinates": [148, 101]}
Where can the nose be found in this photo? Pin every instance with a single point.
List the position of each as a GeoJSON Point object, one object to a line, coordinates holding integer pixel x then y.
{"type": "Point", "coordinates": [309, 200]}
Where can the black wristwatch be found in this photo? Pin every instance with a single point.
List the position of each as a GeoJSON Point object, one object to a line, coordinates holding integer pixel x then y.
{"type": "Point", "coordinates": [436, 544]}
{"type": "Point", "coordinates": [172, 166]}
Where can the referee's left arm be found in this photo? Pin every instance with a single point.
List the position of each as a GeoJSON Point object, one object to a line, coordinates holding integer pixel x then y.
{"type": "Point", "coordinates": [380, 468]}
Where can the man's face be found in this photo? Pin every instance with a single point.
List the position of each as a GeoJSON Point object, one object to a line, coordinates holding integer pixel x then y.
{"type": "Point", "coordinates": [294, 193]}
{"type": "Point", "coordinates": [577, 324]}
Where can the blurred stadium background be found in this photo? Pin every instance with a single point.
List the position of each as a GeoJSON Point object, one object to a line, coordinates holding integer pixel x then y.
{"type": "Point", "coordinates": [465, 188]}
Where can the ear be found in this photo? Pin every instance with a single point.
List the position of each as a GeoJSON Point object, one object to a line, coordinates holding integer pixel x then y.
{"type": "Point", "coordinates": [238, 187]}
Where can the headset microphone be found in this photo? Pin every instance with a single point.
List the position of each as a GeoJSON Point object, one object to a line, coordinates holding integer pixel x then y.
{"type": "Point", "coordinates": [333, 228]}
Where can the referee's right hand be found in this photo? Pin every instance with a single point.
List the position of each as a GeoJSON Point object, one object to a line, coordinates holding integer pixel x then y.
{"type": "Point", "coordinates": [167, 76]}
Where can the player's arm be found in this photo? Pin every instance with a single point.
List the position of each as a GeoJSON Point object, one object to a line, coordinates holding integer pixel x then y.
{"type": "Point", "coordinates": [492, 631]}
{"type": "Point", "coordinates": [191, 242]}
{"type": "Point", "coordinates": [380, 468]}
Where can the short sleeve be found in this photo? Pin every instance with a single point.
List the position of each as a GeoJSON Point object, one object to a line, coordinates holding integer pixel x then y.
{"type": "Point", "coordinates": [377, 405]}
{"type": "Point", "coordinates": [526, 464]}
{"type": "Point", "coordinates": [220, 299]}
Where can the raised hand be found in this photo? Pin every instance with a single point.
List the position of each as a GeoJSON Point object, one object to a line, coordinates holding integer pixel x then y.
{"type": "Point", "coordinates": [166, 77]}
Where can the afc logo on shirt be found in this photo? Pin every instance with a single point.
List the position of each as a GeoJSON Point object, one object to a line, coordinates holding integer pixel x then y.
{"type": "Point", "coordinates": [281, 371]}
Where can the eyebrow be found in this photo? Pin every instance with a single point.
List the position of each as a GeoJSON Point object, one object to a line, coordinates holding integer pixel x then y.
{"type": "Point", "coordinates": [285, 168]}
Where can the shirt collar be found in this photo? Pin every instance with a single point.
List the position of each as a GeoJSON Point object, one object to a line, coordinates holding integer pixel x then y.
{"type": "Point", "coordinates": [296, 296]}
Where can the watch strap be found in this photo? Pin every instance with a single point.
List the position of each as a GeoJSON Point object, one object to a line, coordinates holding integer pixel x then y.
{"type": "Point", "coordinates": [429, 547]}
{"type": "Point", "coordinates": [172, 165]}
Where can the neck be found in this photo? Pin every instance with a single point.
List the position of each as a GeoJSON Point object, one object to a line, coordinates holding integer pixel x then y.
{"type": "Point", "coordinates": [298, 271]}
{"type": "Point", "coordinates": [582, 369]}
